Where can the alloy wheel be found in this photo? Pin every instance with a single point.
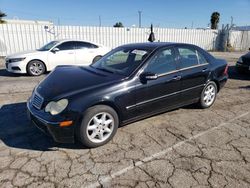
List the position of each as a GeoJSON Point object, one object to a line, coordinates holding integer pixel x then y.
{"type": "Point", "coordinates": [36, 68]}
{"type": "Point", "coordinates": [100, 127]}
{"type": "Point", "coordinates": [209, 95]}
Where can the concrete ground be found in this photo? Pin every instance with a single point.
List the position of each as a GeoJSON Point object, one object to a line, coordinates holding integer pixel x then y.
{"type": "Point", "coordinates": [187, 147]}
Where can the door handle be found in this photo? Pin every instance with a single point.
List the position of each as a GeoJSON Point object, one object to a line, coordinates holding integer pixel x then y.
{"type": "Point", "coordinates": [204, 70]}
{"type": "Point", "coordinates": [70, 52]}
{"type": "Point", "coordinates": [176, 78]}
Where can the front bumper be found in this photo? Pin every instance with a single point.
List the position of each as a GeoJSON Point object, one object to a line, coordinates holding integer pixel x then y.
{"type": "Point", "coordinates": [51, 127]}
{"type": "Point", "coordinates": [16, 67]}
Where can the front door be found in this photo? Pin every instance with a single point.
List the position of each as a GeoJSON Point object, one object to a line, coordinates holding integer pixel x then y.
{"type": "Point", "coordinates": [65, 55]}
{"type": "Point", "coordinates": [163, 92]}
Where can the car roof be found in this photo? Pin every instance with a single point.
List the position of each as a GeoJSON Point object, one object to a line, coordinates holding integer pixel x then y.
{"type": "Point", "coordinates": [153, 45]}
{"type": "Point", "coordinates": [68, 40]}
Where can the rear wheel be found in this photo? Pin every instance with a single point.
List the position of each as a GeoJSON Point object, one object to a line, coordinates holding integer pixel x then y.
{"type": "Point", "coordinates": [98, 126]}
{"type": "Point", "coordinates": [96, 58]}
{"type": "Point", "coordinates": [208, 95]}
{"type": "Point", "coordinates": [35, 68]}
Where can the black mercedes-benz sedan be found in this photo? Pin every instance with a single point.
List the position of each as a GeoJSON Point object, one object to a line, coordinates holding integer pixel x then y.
{"type": "Point", "coordinates": [129, 83]}
{"type": "Point", "coordinates": [243, 63]}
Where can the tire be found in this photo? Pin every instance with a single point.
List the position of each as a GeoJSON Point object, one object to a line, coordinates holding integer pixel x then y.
{"type": "Point", "coordinates": [96, 58]}
{"type": "Point", "coordinates": [208, 95]}
{"type": "Point", "coordinates": [92, 126]}
{"type": "Point", "coordinates": [36, 68]}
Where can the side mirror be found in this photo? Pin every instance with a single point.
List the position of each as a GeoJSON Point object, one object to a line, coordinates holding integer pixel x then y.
{"type": "Point", "coordinates": [148, 76]}
{"type": "Point", "coordinates": [54, 50]}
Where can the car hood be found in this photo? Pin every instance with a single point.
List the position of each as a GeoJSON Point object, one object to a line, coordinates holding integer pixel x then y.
{"type": "Point", "coordinates": [24, 54]}
{"type": "Point", "coordinates": [65, 81]}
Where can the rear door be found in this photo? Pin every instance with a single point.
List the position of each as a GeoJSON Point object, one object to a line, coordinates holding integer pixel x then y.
{"type": "Point", "coordinates": [65, 55]}
{"type": "Point", "coordinates": [85, 52]}
{"type": "Point", "coordinates": [194, 72]}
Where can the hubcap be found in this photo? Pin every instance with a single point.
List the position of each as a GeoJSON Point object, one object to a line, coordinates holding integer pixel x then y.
{"type": "Point", "coordinates": [36, 68]}
{"type": "Point", "coordinates": [209, 95]}
{"type": "Point", "coordinates": [100, 127]}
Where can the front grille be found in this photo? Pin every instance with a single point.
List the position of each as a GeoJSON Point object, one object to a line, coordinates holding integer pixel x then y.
{"type": "Point", "coordinates": [37, 101]}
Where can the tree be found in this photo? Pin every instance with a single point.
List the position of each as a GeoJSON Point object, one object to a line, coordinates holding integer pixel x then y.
{"type": "Point", "coordinates": [215, 18]}
{"type": "Point", "coordinates": [118, 24]}
{"type": "Point", "coordinates": [1, 17]}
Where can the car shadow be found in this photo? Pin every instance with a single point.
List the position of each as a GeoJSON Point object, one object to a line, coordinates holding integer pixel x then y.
{"type": "Point", "coordinates": [245, 87]}
{"type": "Point", "coordinates": [18, 132]}
{"type": "Point", "coordinates": [235, 75]}
{"type": "Point", "coordinates": [5, 73]}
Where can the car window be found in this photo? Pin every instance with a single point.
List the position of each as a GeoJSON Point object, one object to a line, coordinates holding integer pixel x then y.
{"type": "Point", "coordinates": [188, 57]}
{"type": "Point", "coordinates": [48, 46]}
{"type": "Point", "coordinates": [122, 60]}
{"type": "Point", "coordinates": [201, 58]}
{"type": "Point", "coordinates": [162, 62]}
{"type": "Point", "coordinates": [82, 45]}
{"type": "Point", "coordinates": [67, 46]}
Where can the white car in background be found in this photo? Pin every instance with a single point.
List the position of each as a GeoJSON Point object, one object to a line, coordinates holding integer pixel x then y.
{"type": "Point", "coordinates": [59, 52]}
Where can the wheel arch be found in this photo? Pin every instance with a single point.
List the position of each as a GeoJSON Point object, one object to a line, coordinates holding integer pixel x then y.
{"type": "Point", "coordinates": [97, 56]}
{"type": "Point", "coordinates": [217, 84]}
{"type": "Point", "coordinates": [112, 105]}
{"type": "Point", "coordinates": [36, 60]}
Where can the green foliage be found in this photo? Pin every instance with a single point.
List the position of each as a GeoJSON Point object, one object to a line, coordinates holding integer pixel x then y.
{"type": "Point", "coordinates": [215, 18]}
{"type": "Point", "coordinates": [118, 24]}
{"type": "Point", "coordinates": [1, 17]}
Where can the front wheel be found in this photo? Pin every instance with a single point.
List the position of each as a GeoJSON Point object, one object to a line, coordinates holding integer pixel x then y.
{"type": "Point", "coordinates": [35, 68]}
{"type": "Point", "coordinates": [208, 95]}
{"type": "Point", "coordinates": [98, 126]}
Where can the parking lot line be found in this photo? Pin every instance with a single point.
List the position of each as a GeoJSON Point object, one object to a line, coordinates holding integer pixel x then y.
{"type": "Point", "coordinates": [107, 179]}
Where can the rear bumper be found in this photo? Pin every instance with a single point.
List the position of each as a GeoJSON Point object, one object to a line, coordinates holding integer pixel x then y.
{"type": "Point", "coordinates": [222, 81]}
{"type": "Point", "coordinates": [59, 134]}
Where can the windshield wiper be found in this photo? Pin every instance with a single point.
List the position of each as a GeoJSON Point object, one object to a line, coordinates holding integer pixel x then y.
{"type": "Point", "coordinates": [105, 70]}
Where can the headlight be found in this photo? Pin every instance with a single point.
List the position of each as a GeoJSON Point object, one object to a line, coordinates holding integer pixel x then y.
{"type": "Point", "coordinates": [56, 107]}
{"type": "Point", "coordinates": [240, 60]}
{"type": "Point", "coordinates": [13, 60]}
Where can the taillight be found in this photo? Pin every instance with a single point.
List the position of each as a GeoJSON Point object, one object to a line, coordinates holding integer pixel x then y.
{"type": "Point", "coordinates": [226, 70]}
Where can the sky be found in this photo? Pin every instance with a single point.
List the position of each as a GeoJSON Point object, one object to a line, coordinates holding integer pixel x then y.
{"type": "Point", "coordinates": [162, 13]}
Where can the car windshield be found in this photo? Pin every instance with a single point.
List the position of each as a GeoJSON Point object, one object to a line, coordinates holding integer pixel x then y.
{"type": "Point", "coordinates": [48, 46]}
{"type": "Point", "coordinates": [122, 60]}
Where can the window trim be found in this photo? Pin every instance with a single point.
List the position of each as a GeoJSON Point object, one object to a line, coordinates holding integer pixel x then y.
{"type": "Point", "coordinates": [183, 69]}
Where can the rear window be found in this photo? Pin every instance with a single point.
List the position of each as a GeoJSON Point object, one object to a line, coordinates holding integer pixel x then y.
{"type": "Point", "coordinates": [188, 57]}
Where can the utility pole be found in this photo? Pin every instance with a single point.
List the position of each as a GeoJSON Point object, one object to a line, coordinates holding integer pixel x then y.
{"type": "Point", "coordinates": [58, 21]}
{"type": "Point", "coordinates": [100, 21]}
{"type": "Point", "coordinates": [139, 12]}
